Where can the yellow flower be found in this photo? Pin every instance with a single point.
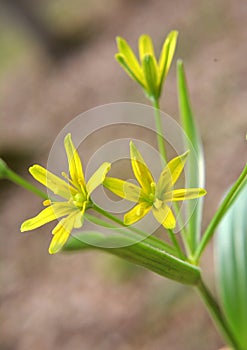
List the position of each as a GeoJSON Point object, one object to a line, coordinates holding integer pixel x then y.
{"type": "Point", "coordinates": [148, 72]}
{"type": "Point", "coordinates": [75, 192]}
{"type": "Point", "coordinates": [150, 195]}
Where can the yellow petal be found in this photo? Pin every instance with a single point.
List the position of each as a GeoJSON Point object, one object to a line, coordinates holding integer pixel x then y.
{"type": "Point", "coordinates": [150, 71]}
{"type": "Point", "coordinates": [133, 74]}
{"type": "Point", "coordinates": [98, 177]}
{"type": "Point", "coordinates": [164, 216]}
{"type": "Point", "coordinates": [61, 233]}
{"type": "Point", "coordinates": [49, 214]}
{"type": "Point", "coordinates": [51, 181]}
{"type": "Point", "coordinates": [145, 46]}
{"type": "Point", "coordinates": [79, 219]}
{"type": "Point", "coordinates": [137, 213]}
{"type": "Point", "coordinates": [74, 161]}
{"type": "Point", "coordinates": [141, 171]}
{"type": "Point", "coordinates": [167, 54]}
{"type": "Point", "coordinates": [129, 57]}
{"type": "Point", "coordinates": [170, 174]}
{"type": "Point", "coordinates": [124, 189]}
{"type": "Point", "coordinates": [184, 194]}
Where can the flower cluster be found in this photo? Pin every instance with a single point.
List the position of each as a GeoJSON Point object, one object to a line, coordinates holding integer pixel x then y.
{"type": "Point", "coordinates": [152, 196]}
{"type": "Point", "coordinates": [75, 193]}
{"type": "Point", "coordinates": [148, 71]}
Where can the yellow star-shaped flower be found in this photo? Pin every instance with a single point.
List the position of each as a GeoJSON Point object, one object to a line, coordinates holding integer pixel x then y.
{"type": "Point", "coordinates": [150, 195]}
{"type": "Point", "coordinates": [75, 192]}
{"type": "Point", "coordinates": [148, 71]}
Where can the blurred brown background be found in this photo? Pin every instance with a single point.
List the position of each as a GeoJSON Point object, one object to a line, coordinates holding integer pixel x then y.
{"type": "Point", "coordinates": [56, 61]}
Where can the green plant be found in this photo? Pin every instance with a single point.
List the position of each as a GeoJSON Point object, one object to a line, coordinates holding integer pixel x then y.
{"type": "Point", "coordinates": [176, 261]}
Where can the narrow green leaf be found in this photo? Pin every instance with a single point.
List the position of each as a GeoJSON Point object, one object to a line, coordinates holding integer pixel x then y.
{"type": "Point", "coordinates": [142, 254]}
{"type": "Point", "coordinates": [195, 176]}
{"type": "Point", "coordinates": [225, 205]}
{"type": "Point", "coordinates": [133, 234]}
{"type": "Point", "coordinates": [231, 266]}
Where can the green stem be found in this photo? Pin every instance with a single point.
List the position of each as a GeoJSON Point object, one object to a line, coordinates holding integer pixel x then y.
{"type": "Point", "coordinates": [162, 150]}
{"type": "Point", "coordinates": [153, 240]}
{"type": "Point", "coordinates": [12, 176]}
{"type": "Point", "coordinates": [217, 315]}
{"type": "Point", "coordinates": [225, 205]}
{"type": "Point", "coordinates": [160, 140]}
{"type": "Point", "coordinates": [176, 244]}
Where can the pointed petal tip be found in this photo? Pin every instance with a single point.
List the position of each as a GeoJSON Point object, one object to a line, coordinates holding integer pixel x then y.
{"type": "Point", "coordinates": [174, 32]}
{"type": "Point", "coordinates": [186, 153]}
{"type": "Point", "coordinates": [68, 138]}
{"type": "Point", "coordinates": [107, 165]}
{"type": "Point", "coordinates": [125, 221]}
{"type": "Point", "coordinates": [133, 146]}
{"type": "Point", "coordinates": [51, 251]}
{"type": "Point", "coordinates": [22, 228]}
{"type": "Point", "coordinates": [119, 39]}
{"type": "Point", "coordinates": [33, 167]}
{"type": "Point", "coordinates": [120, 42]}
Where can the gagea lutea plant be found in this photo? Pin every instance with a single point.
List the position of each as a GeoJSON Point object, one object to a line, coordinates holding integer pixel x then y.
{"type": "Point", "coordinates": [179, 260]}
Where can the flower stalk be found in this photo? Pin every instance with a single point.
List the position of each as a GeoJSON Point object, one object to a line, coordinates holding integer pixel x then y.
{"type": "Point", "coordinates": [8, 174]}
{"type": "Point", "coordinates": [217, 315]}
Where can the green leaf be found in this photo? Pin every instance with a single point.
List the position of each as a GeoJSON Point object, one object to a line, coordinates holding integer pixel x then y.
{"type": "Point", "coordinates": [195, 175]}
{"type": "Point", "coordinates": [132, 233]}
{"type": "Point", "coordinates": [141, 253]}
{"type": "Point", "coordinates": [231, 266]}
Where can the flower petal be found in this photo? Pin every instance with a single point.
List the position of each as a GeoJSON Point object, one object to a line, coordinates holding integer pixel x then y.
{"type": "Point", "coordinates": [74, 161]}
{"type": "Point", "coordinates": [51, 181]}
{"type": "Point", "coordinates": [122, 61]}
{"type": "Point", "coordinates": [98, 177]}
{"type": "Point", "coordinates": [124, 189]}
{"type": "Point", "coordinates": [145, 46]}
{"type": "Point", "coordinates": [61, 233]}
{"type": "Point", "coordinates": [167, 54]}
{"type": "Point", "coordinates": [49, 214]}
{"type": "Point", "coordinates": [137, 213]}
{"type": "Point", "coordinates": [150, 71]}
{"type": "Point", "coordinates": [129, 57]}
{"type": "Point", "coordinates": [170, 174]}
{"type": "Point", "coordinates": [141, 171]}
{"type": "Point", "coordinates": [164, 216]}
{"type": "Point", "coordinates": [79, 218]}
{"type": "Point", "coordinates": [184, 194]}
